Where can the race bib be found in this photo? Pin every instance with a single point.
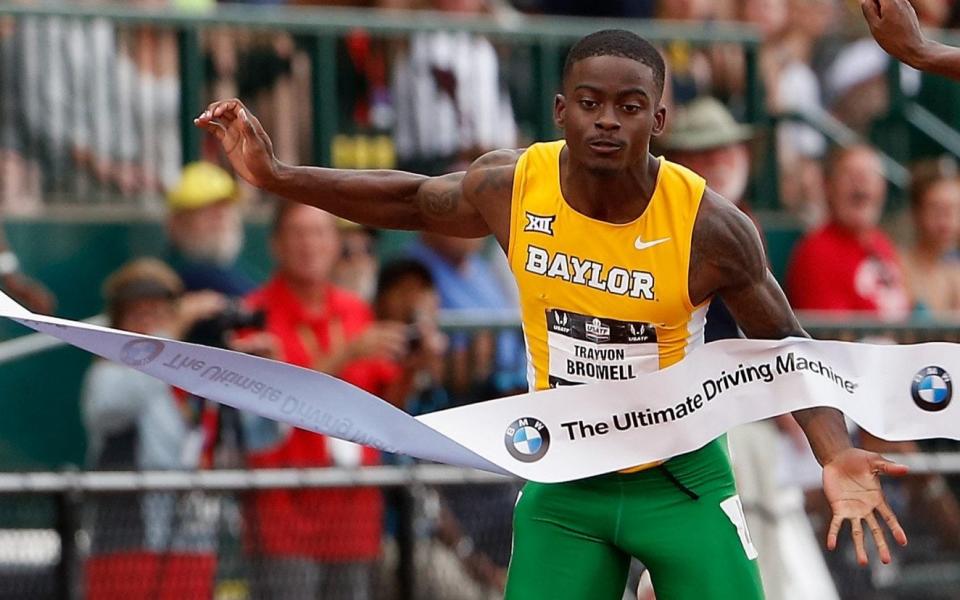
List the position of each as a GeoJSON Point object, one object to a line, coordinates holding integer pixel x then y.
{"type": "Point", "coordinates": [584, 348]}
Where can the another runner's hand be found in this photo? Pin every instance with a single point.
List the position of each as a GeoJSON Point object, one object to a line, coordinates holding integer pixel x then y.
{"type": "Point", "coordinates": [851, 482]}
{"type": "Point", "coordinates": [244, 141]}
{"type": "Point", "coordinates": [896, 28]}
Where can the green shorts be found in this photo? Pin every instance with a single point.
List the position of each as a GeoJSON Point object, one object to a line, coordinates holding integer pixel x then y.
{"type": "Point", "coordinates": [682, 520]}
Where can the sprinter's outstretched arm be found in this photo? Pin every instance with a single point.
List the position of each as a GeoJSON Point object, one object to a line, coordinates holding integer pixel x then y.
{"type": "Point", "coordinates": [450, 204]}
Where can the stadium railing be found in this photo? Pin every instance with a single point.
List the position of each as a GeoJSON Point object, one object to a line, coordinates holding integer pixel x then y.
{"type": "Point", "coordinates": [319, 32]}
{"type": "Point", "coordinates": [47, 558]}
{"type": "Point", "coordinates": [50, 556]}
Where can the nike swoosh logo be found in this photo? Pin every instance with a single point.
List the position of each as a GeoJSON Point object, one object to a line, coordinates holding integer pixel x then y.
{"type": "Point", "coordinates": [642, 245]}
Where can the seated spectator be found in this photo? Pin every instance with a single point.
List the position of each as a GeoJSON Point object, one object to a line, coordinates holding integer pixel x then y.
{"type": "Point", "coordinates": [156, 544]}
{"type": "Point", "coordinates": [856, 84]}
{"type": "Point", "coordinates": [850, 264]}
{"type": "Point", "coordinates": [315, 543]}
{"type": "Point", "coordinates": [931, 265]}
{"type": "Point", "coordinates": [356, 270]}
{"type": "Point", "coordinates": [706, 138]}
{"type": "Point", "coordinates": [205, 229]}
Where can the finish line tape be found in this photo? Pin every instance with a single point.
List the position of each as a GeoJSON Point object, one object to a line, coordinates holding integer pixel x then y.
{"type": "Point", "coordinates": [894, 392]}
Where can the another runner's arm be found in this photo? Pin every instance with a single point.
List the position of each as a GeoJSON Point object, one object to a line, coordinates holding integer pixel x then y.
{"type": "Point", "coordinates": [730, 262]}
{"type": "Point", "coordinates": [378, 198]}
{"type": "Point", "coordinates": [896, 28]}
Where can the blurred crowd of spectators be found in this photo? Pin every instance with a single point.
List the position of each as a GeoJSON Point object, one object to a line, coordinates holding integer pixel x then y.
{"type": "Point", "coordinates": [86, 106]}
{"type": "Point", "coordinates": [329, 306]}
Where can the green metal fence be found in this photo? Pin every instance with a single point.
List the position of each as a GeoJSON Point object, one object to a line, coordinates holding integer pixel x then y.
{"type": "Point", "coordinates": [318, 31]}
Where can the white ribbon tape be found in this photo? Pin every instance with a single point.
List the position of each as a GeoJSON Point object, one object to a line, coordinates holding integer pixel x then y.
{"type": "Point", "coordinates": [894, 392]}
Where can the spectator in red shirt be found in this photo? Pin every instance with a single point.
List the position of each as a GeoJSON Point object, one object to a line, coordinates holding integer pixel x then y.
{"type": "Point", "coordinates": [316, 543]}
{"type": "Point", "coordinates": [850, 264]}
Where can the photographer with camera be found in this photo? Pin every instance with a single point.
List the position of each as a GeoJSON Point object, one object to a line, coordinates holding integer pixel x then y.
{"type": "Point", "coordinates": [450, 562]}
{"type": "Point", "coordinates": [405, 293]}
{"type": "Point", "coordinates": [315, 543]}
{"type": "Point", "coordinates": [155, 544]}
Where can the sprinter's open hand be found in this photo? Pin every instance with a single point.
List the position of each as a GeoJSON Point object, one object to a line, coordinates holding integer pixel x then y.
{"type": "Point", "coordinates": [244, 141]}
{"type": "Point", "coordinates": [851, 482]}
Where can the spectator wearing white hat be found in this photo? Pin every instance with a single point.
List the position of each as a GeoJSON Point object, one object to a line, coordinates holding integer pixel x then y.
{"type": "Point", "coordinates": [705, 138]}
{"type": "Point", "coordinates": [856, 83]}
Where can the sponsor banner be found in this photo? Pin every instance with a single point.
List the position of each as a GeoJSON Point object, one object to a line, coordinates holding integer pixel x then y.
{"type": "Point", "coordinates": [571, 432]}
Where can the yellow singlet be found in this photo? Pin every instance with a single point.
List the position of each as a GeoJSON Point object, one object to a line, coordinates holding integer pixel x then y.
{"type": "Point", "coordinates": [602, 301]}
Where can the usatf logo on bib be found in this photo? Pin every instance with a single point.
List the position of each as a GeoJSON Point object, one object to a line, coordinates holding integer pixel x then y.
{"type": "Point", "coordinates": [597, 331]}
{"type": "Point", "coordinates": [137, 353]}
{"type": "Point", "coordinates": [932, 389]}
{"type": "Point", "coordinates": [527, 439]}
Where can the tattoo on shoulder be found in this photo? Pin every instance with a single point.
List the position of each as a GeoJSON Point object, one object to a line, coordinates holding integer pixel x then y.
{"type": "Point", "coordinates": [727, 240]}
{"type": "Point", "coordinates": [494, 179]}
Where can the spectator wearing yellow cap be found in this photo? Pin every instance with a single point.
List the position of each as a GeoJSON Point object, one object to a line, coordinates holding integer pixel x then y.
{"type": "Point", "coordinates": [205, 229]}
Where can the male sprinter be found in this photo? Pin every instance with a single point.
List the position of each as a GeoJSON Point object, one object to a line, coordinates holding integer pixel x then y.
{"type": "Point", "coordinates": [609, 245]}
{"type": "Point", "coordinates": [895, 26]}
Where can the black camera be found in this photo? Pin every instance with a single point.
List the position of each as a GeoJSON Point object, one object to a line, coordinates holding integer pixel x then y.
{"type": "Point", "coordinates": [236, 316]}
{"type": "Point", "coordinates": [213, 331]}
{"type": "Point", "coordinates": [414, 337]}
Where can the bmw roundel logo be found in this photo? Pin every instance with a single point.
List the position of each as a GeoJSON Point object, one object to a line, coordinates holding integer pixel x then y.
{"type": "Point", "coordinates": [527, 439]}
{"type": "Point", "coordinates": [137, 353]}
{"type": "Point", "coordinates": [932, 389]}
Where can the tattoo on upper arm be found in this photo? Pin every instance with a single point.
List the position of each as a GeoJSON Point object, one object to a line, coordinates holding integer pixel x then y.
{"type": "Point", "coordinates": [441, 198]}
{"type": "Point", "coordinates": [440, 203]}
